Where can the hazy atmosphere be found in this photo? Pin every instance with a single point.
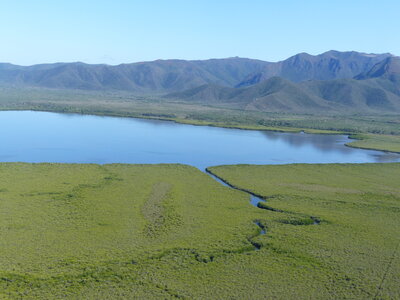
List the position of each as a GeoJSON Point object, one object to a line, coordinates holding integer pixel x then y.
{"type": "Point", "coordinates": [115, 32]}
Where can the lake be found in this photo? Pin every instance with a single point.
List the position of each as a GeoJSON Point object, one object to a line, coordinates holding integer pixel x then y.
{"type": "Point", "coordinates": [28, 136]}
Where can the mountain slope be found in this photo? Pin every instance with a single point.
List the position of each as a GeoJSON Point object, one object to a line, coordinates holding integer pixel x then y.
{"type": "Point", "coordinates": [156, 76]}
{"type": "Point", "coordinates": [388, 68]}
{"type": "Point", "coordinates": [165, 76]}
{"type": "Point", "coordinates": [377, 91]}
{"type": "Point", "coordinates": [274, 94]}
{"type": "Point", "coordinates": [355, 95]}
{"type": "Point", "coordinates": [326, 66]}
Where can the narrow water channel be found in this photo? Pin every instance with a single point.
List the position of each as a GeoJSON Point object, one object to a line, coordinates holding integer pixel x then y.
{"type": "Point", "coordinates": [254, 201]}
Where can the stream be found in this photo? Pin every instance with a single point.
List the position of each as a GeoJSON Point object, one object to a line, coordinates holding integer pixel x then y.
{"type": "Point", "coordinates": [254, 201]}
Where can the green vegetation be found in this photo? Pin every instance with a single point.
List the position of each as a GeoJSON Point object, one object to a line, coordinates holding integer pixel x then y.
{"type": "Point", "coordinates": [376, 142]}
{"type": "Point", "coordinates": [171, 231]}
{"type": "Point", "coordinates": [355, 248]}
{"type": "Point", "coordinates": [117, 230]}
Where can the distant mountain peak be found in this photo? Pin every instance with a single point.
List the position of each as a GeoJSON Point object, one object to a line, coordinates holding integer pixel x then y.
{"type": "Point", "coordinates": [350, 53]}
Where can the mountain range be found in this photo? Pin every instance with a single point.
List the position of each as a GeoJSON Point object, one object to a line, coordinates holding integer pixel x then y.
{"type": "Point", "coordinates": [375, 90]}
{"type": "Point", "coordinates": [332, 81]}
{"type": "Point", "coordinates": [143, 77]}
{"type": "Point", "coordinates": [326, 66]}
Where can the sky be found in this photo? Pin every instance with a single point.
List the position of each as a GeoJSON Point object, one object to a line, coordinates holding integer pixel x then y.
{"type": "Point", "coordinates": [122, 31]}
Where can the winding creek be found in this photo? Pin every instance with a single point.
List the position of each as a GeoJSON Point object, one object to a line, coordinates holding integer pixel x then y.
{"type": "Point", "coordinates": [254, 200]}
{"type": "Point", "coordinates": [29, 136]}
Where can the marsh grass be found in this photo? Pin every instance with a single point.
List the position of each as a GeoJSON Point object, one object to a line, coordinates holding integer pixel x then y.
{"type": "Point", "coordinates": [356, 243]}
{"type": "Point", "coordinates": [86, 231]}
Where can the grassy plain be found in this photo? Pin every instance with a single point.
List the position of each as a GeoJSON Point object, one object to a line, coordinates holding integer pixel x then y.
{"type": "Point", "coordinates": [171, 231]}
{"type": "Point", "coordinates": [356, 246]}
{"type": "Point", "coordinates": [381, 132]}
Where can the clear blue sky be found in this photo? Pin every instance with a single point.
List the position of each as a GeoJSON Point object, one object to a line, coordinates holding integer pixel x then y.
{"type": "Point", "coordinates": [121, 31]}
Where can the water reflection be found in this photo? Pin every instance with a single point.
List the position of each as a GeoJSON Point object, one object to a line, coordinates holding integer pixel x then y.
{"type": "Point", "coordinates": [324, 143]}
{"type": "Point", "coordinates": [50, 137]}
{"type": "Point", "coordinates": [388, 157]}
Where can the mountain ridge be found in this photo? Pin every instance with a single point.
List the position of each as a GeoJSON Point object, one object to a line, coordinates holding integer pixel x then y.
{"type": "Point", "coordinates": [329, 82]}
{"type": "Point", "coordinates": [378, 90]}
{"type": "Point", "coordinates": [154, 76]}
{"type": "Point", "coordinates": [326, 66]}
{"type": "Point", "coordinates": [164, 76]}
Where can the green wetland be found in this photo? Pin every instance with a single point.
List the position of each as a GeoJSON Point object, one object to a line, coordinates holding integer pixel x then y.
{"type": "Point", "coordinates": [164, 231]}
{"type": "Point", "coordinates": [171, 231]}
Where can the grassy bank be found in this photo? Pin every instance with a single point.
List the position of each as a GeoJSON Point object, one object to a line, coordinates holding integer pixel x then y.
{"type": "Point", "coordinates": [380, 132]}
{"type": "Point", "coordinates": [171, 231]}
{"type": "Point", "coordinates": [389, 143]}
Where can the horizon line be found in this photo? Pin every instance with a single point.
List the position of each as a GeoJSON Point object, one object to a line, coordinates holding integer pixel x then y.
{"type": "Point", "coordinates": [188, 60]}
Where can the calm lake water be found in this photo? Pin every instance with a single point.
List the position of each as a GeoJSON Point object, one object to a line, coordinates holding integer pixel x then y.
{"type": "Point", "coordinates": [50, 137]}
